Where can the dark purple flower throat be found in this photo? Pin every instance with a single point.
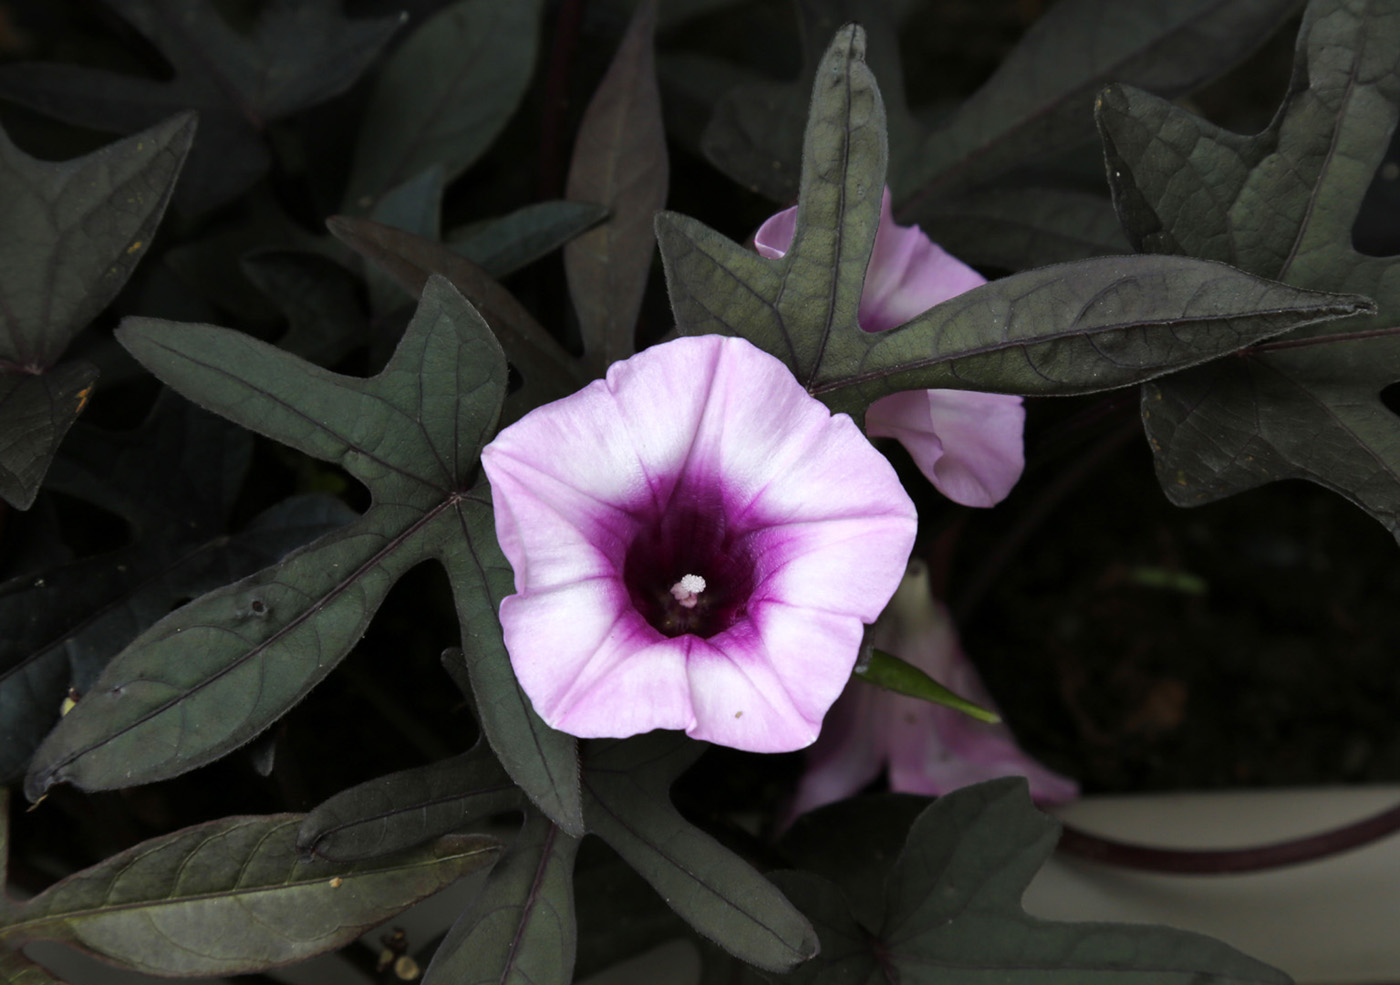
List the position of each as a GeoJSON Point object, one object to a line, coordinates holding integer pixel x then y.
{"type": "Point", "coordinates": [688, 569]}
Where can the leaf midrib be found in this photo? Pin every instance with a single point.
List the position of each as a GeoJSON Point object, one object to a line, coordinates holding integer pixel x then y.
{"type": "Point", "coordinates": [532, 899]}
{"type": "Point", "coordinates": [834, 290]}
{"type": "Point", "coordinates": [51, 772]}
{"type": "Point", "coordinates": [715, 893]}
{"type": "Point", "coordinates": [17, 928]}
{"type": "Point", "coordinates": [1323, 314]}
{"type": "Point", "coordinates": [357, 385]}
{"type": "Point", "coordinates": [932, 188]}
{"type": "Point", "coordinates": [425, 803]}
{"type": "Point", "coordinates": [1363, 38]}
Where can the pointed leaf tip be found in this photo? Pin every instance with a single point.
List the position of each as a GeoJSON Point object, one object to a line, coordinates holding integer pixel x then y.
{"type": "Point", "coordinates": [953, 899]}
{"type": "Point", "coordinates": [234, 896]}
{"type": "Point", "coordinates": [626, 803]}
{"type": "Point", "coordinates": [620, 161]}
{"type": "Point", "coordinates": [213, 674]}
{"type": "Point", "coordinates": [1282, 203]}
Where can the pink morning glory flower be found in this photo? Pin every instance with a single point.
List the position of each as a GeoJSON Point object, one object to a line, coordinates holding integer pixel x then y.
{"type": "Point", "coordinates": [929, 749]}
{"type": "Point", "coordinates": [697, 544]}
{"type": "Point", "coordinates": [968, 444]}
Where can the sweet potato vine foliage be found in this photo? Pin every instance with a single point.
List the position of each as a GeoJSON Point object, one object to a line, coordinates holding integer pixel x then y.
{"type": "Point", "coordinates": [657, 549]}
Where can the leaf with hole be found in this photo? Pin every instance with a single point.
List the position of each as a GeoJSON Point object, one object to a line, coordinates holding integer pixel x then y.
{"type": "Point", "coordinates": [173, 480]}
{"type": "Point", "coordinates": [212, 675]}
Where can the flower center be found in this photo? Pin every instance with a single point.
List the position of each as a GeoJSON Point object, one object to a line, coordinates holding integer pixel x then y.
{"type": "Point", "coordinates": [687, 591]}
{"type": "Point", "coordinates": [687, 570]}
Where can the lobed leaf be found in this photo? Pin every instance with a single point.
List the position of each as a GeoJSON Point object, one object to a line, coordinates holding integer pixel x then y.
{"type": "Point", "coordinates": [1036, 104]}
{"type": "Point", "coordinates": [298, 53]}
{"type": "Point", "coordinates": [543, 761]}
{"type": "Point", "coordinates": [820, 843]}
{"type": "Point", "coordinates": [215, 673]}
{"type": "Point", "coordinates": [233, 896]}
{"type": "Point", "coordinates": [549, 371]}
{"type": "Point", "coordinates": [1282, 204]}
{"type": "Point", "coordinates": [319, 298]}
{"type": "Point", "coordinates": [1075, 328]}
{"type": "Point", "coordinates": [415, 206]}
{"type": "Point", "coordinates": [622, 918]}
{"type": "Point", "coordinates": [620, 161]}
{"type": "Point", "coordinates": [1039, 102]}
{"type": "Point", "coordinates": [36, 412]}
{"type": "Point", "coordinates": [69, 621]}
{"type": "Point", "coordinates": [520, 930]}
{"type": "Point", "coordinates": [719, 894]}
{"type": "Point", "coordinates": [66, 248]}
{"type": "Point", "coordinates": [952, 912]}
{"type": "Point", "coordinates": [755, 133]}
{"type": "Point", "coordinates": [444, 95]}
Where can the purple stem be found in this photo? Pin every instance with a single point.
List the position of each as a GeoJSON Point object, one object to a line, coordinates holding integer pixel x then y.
{"type": "Point", "coordinates": [1374, 333]}
{"type": "Point", "coordinates": [1224, 861]}
{"type": "Point", "coordinates": [556, 99]}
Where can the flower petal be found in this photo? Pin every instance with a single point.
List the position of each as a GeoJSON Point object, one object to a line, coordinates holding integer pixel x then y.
{"type": "Point", "coordinates": [591, 666]}
{"type": "Point", "coordinates": [930, 749]}
{"type": "Point", "coordinates": [765, 439]}
{"type": "Point", "coordinates": [908, 274]}
{"type": "Point", "coordinates": [847, 755]}
{"type": "Point", "coordinates": [968, 444]}
{"type": "Point", "coordinates": [933, 749]}
{"type": "Point", "coordinates": [740, 701]}
{"type": "Point", "coordinates": [774, 237]}
{"type": "Point", "coordinates": [801, 562]}
{"type": "Point", "coordinates": [552, 533]}
{"type": "Point", "coordinates": [601, 494]}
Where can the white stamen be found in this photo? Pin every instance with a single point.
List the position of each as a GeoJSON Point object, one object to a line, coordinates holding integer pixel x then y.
{"type": "Point", "coordinates": [687, 590]}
